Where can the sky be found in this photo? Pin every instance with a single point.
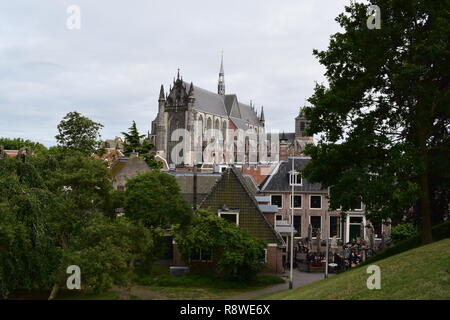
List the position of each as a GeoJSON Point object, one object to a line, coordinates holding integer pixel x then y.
{"type": "Point", "coordinates": [111, 69]}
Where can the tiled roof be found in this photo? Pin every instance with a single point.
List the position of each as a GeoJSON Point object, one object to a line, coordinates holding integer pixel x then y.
{"type": "Point", "coordinates": [279, 179]}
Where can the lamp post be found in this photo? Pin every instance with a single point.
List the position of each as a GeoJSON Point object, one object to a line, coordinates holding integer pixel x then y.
{"type": "Point", "coordinates": [293, 175]}
{"type": "Point", "coordinates": [327, 223]}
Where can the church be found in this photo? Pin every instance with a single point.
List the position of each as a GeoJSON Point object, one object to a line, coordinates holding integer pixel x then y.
{"type": "Point", "coordinates": [197, 110]}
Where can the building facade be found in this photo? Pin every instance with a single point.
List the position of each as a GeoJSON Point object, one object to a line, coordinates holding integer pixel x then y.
{"type": "Point", "coordinates": [197, 110]}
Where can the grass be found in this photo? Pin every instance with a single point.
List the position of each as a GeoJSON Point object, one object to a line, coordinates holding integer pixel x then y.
{"type": "Point", "coordinates": [439, 232]}
{"type": "Point", "coordinates": [199, 286]}
{"type": "Point", "coordinates": [159, 285]}
{"type": "Point", "coordinates": [420, 273]}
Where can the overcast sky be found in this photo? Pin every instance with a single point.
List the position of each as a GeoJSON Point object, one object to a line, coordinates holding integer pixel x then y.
{"type": "Point", "coordinates": [112, 68]}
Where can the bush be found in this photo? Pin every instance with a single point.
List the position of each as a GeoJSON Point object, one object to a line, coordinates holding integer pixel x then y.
{"type": "Point", "coordinates": [402, 231]}
{"type": "Point", "coordinates": [234, 252]}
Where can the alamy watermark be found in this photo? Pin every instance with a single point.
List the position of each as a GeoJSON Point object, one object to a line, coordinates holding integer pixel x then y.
{"type": "Point", "coordinates": [374, 281]}
{"type": "Point", "coordinates": [74, 19]}
{"type": "Point", "coordinates": [216, 146]}
{"type": "Point", "coordinates": [74, 280]}
{"type": "Point", "coordinates": [374, 17]}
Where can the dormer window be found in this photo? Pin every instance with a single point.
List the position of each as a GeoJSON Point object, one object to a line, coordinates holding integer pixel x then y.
{"type": "Point", "coordinates": [295, 178]}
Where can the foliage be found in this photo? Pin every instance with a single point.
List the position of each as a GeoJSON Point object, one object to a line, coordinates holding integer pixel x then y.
{"type": "Point", "coordinates": [154, 198]}
{"type": "Point", "coordinates": [106, 251]}
{"type": "Point", "coordinates": [402, 231]}
{"type": "Point", "coordinates": [135, 142]}
{"type": "Point", "coordinates": [52, 211]}
{"type": "Point", "coordinates": [384, 117]}
{"type": "Point", "coordinates": [78, 133]}
{"type": "Point", "coordinates": [236, 254]}
{"type": "Point", "coordinates": [19, 143]}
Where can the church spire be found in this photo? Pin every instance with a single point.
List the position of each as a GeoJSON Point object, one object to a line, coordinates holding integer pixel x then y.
{"type": "Point", "coordinates": [221, 84]}
{"type": "Point", "coordinates": [161, 94]}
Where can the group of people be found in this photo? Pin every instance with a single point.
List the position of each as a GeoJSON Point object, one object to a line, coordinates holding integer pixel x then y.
{"type": "Point", "coordinates": [341, 256]}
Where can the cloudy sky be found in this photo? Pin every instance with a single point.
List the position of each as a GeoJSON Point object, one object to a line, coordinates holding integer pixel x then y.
{"type": "Point", "coordinates": [112, 68]}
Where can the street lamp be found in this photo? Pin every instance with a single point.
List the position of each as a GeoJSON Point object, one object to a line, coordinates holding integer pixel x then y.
{"type": "Point", "coordinates": [327, 223]}
{"type": "Point", "coordinates": [292, 180]}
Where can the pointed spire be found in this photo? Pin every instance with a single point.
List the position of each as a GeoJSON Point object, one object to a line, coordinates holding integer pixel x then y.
{"type": "Point", "coordinates": [161, 93]}
{"type": "Point", "coordinates": [221, 84]}
{"type": "Point", "coordinates": [261, 118]}
{"type": "Point", "coordinates": [178, 75]}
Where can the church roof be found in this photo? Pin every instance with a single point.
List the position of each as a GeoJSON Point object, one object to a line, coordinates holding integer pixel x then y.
{"type": "Point", "coordinates": [210, 102]}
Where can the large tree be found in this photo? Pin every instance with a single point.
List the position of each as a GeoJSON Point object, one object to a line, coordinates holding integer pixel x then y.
{"type": "Point", "coordinates": [154, 198]}
{"type": "Point", "coordinates": [135, 143]}
{"type": "Point", "coordinates": [384, 116]}
{"type": "Point", "coordinates": [53, 214]}
{"type": "Point", "coordinates": [78, 133]}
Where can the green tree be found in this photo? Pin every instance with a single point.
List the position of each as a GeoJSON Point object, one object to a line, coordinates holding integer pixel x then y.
{"type": "Point", "coordinates": [154, 198]}
{"type": "Point", "coordinates": [235, 252]}
{"type": "Point", "coordinates": [78, 133]}
{"type": "Point", "coordinates": [19, 143]}
{"type": "Point", "coordinates": [383, 118]}
{"type": "Point", "coordinates": [52, 215]}
{"type": "Point", "coordinates": [135, 142]}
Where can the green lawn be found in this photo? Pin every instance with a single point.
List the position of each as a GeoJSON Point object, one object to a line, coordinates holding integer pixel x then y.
{"type": "Point", "coordinates": [421, 273]}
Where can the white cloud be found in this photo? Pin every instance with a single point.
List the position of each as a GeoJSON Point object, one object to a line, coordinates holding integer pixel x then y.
{"type": "Point", "coordinates": [112, 68]}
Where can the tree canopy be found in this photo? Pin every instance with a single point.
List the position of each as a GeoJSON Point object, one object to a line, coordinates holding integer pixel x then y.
{"type": "Point", "coordinates": [235, 252]}
{"type": "Point", "coordinates": [154, 198]}
{"type": "Point", "coordinates": [78, 133]}
{"type": "Point", "coordinates": [135, 143]}
{"type": "Point", "coordinates": [383, 117]}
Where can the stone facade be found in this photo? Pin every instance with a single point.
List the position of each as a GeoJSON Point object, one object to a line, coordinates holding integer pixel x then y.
{"type": "Point", "coordinates": [197, 110]}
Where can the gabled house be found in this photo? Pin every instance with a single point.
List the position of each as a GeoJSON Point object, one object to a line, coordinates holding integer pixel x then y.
{"type": "Point", "coordinates": [310, 205]}
{"type": "Point", "coordinates": [126, 168]}
{"type": "Point", "coordinates": [232, 199]}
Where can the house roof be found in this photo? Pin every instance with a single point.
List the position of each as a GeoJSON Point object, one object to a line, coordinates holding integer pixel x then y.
{"type": "Point", "coordinates": [205, 182]}
{"type": "Point", "coordinates": [235, 193]}
{"type": "Point", "coordinates": [278, 180]}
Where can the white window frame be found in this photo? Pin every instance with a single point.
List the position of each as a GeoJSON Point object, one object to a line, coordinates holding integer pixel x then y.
{"type": "Point", "coordinates": [321, 201]}
{"type": "Point", "coordinates": [282, 200]}
{"type": "Point", "coordinates": [265, 255]}
{"type": "Point", "coordinates": [347, 225]}
{"type": "Point", "coordinates": [358, 210]}
{"type": "Point", "coordinates": [228, 213]}
{"type": "Point", "coordinates": [291, 178]}
{"type": "Point", "coordinates": [321, 224]}
{"type": "Point", "coordinates": [292, 201]}
{"type": "Point", "coordinates": [339, 227]}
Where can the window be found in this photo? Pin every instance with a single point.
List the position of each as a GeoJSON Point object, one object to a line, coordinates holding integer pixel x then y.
{"type": "Point", "coordinates": [277, 200]}
{"type": "Point", "coordinates": [358, 207]}
{"type": "Point", "coordinates": [297, 202]}
{"type": "Point", "coordinates": [315, 202]}
{"type": "Point", "coordinates": [335, 227]}
{"type": "Point", "coordinates": [265, 255]}
{"type": "Point", "coordinates": [377, 230]}
{"type": "Point", "coordinates": [298, 225]}
{"type": "Point", "coordinates": [316, 225]}
{"type": "Point", "coordinates": [201, 255]}
{"type": "Point", "coordinates": [230, 217]}
{"type": "Point", "coordinates": [279, 217]}
{"type": "Point", "coordinates": [295, 178]}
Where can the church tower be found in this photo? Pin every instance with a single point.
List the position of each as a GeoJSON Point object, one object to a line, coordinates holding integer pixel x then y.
{"type": "Point", "coordinates": [221, 84]}
{"type": "Point", "coordinates": [301, 124]}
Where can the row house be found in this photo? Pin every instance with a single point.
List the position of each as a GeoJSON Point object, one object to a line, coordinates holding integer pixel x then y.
{"type": "Point", "coordinates": [310, 205]}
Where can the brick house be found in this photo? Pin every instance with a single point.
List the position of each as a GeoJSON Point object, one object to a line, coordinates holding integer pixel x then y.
{"type": "Point", "coordinates": [232, 198]}
{"type": "Point", "coordinates": [310, 204]}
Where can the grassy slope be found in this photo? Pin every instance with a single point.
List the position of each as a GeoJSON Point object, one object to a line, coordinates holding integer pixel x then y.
{"type": "Point", "coordinates": [421, 273]}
